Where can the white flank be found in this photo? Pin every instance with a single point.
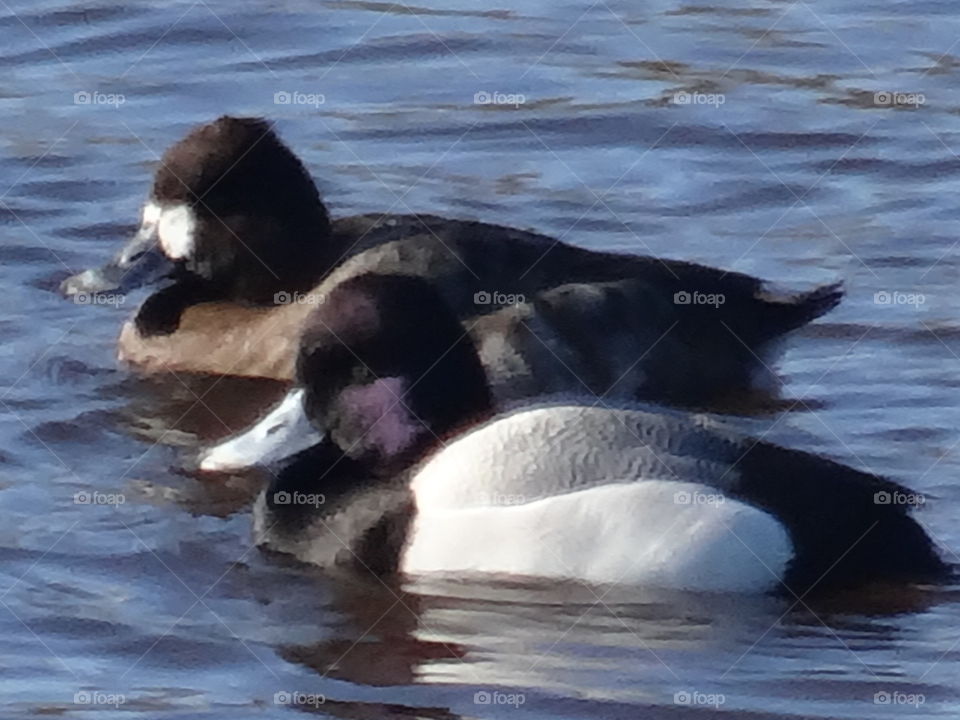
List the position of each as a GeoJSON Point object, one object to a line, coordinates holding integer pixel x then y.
{"type": "Point", "coordinates": [593, 494]}
{"type": "Point", "coordinates": [633, 532]}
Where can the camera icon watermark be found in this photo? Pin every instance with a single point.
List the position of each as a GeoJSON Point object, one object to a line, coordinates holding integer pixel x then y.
{"type": "Point", "coordinates": [695, 297]}
{"type": "Point", "coordinates": [895, 697]}
{"type": "Point", "coordinates": [94, 497]}
{"type": "Point", "coordinates": [495, 697]}
{"type": "Point", "coordinates": [887, 98]}
{"type": "Point", "coordinates": [494, 297]}
{"type": "Point", "coordinates": [295, 697]}
{"type": "Point", "coordinates": [98, 697]}
{"type": "Point", "coordinates": [695, 697]}
{"type": "Point", "coordinates": [86, 97]}
{"type": "Point", "coordinates": [482, 97]}
{"type": "Point", "coordinates": [295, 97]}
{"type": "Point", "coordinates": [896, 497]}
{"type": "Point", "coordinates": [683, 97]}
{"type": "Point", "coordinates": [298, 298]}
{"type": "Point", "coordinates": [87, 298]}
{"type": "Point", "coordinates": [685, 497]}
{"type": "Point", "coordinates": [283, 497]}
{"type": "Point", "coordinates": [895, 297]}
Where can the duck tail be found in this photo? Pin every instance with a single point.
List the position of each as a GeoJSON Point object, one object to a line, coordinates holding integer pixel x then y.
{"type": "Point", "coordinates": [787, 313]}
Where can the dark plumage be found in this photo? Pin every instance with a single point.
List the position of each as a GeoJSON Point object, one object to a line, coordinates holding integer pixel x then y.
{"type": "Point", "coordinates": [259, 215]}
{"type": "Point", "coordinates": [255, 230]}
{"type": "Point", "coordinates": [374, 328]}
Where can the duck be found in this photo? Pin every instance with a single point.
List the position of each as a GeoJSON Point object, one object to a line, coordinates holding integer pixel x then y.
{"type": "Point", "coordinates": [238, 248]}
{"type": "Point", "coordinates": [412, 470]}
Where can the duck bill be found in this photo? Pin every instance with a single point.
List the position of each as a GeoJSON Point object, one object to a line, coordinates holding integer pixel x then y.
{"type": "Point", "coordinates": [140, 262]}
{"type": "Point", "coordinates": [284, 432]}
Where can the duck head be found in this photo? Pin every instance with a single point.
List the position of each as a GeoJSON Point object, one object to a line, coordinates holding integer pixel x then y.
{"type": "Point", "coordinates": [231, 205]}
{"type": "Point", "coordinates": [385, 372]}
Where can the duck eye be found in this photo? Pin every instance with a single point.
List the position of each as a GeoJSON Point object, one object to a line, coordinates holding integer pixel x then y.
{"type": "Point", "coordinates": [362, 375]}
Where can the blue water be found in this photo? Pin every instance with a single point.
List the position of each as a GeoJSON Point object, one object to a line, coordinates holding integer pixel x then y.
{"type": "Point", "coordinates": [748, 136]}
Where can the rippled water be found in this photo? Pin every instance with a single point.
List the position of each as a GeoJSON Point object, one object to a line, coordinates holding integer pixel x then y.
{"type": "Point", "coordinates": [779, 160]}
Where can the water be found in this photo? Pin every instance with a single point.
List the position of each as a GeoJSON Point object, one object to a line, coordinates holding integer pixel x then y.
{"type": "Point", "coordinates": [160, 607]}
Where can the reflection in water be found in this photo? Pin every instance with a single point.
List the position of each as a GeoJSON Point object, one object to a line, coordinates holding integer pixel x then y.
{"type": "Point", "coordinates": [513, 636]}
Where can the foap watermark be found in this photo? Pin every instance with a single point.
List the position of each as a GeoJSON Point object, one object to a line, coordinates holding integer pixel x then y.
{"type": "Point", "coordinates": [86, 298]}
{"type": "Point", "coordinates": [897, 497]}
{"type": "Point", "coordinates": [695, 697]}
{"type": "Point", "coordinates": [895, 697]}
{"type": "Point", "coordinates": [98, 697]}
{"type": "Point", "coordinates": [85, 97]}
{"type": "Point", "coordinates": [295, 697]}
{"type": "Point", "coordinates": [486, 297]}
{"type": "Point", "coordinates": [683, 97]}
{"type": "Point", "coordinates": [685, 297]}
{"type": "Point", "coordinates": [298, 298]}
{"type": "Point", "coordinates": [298, 498]}
{"type": "Point", "coordinates": [495, 697]}
{"type": "Point", "coordinates": [94, 497]}
{"type": "Point", "coordinates": [895, 297]}
{"type": "Point", "coordinates": [295, 97]}
{"type": "Point", "coordinates": [482, 97]}
{"type": "Point", "coordinates": [503, 499]}
{"type": "Point", "coordinates": [887, 98]}
{"type": "Point", "coordinates": [685, 497]}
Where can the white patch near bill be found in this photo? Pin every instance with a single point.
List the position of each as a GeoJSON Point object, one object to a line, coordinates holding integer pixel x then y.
{"type": "Point", "coordinates": [151, 214]}
{"type": "Point", "coordinates": [176, 229]}
{"type": "Point", "coordinates": [145, 237]}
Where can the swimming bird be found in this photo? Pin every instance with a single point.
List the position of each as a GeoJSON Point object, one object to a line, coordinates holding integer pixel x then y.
{"type": "Point", "coordinates": [409, 467]}
{"type": "Point", "coordinates": [236, 233]}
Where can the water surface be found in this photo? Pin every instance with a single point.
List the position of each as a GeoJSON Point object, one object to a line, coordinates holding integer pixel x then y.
{"type": "Point", "coordinates": [748, 136]}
